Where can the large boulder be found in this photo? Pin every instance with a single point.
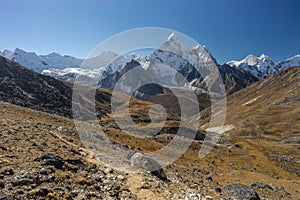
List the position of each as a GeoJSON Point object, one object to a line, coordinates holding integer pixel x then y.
{"type": "Point", "coordinates": [240, 192]}
{"type": "Point", "coordinates": [149, 164]}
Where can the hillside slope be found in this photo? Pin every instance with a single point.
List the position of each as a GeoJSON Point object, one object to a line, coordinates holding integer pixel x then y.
{"type": "Point", "coordinates": [265, 137]}
{"type": "Point", "coordinates": [24, 87]}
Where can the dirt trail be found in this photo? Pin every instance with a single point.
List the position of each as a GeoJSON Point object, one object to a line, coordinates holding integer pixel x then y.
{"type": "Point", "coordinates": [134, 180]}
{"type": "Point", "coordinates": [135, 185]}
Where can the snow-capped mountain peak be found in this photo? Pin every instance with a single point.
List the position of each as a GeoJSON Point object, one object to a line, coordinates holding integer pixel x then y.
{"type": "Point", "coordinates": [261, 66]}
{"type": "Point", "coordinates": [174, 46]}
{"type": "Point", "coordinates": [172, 37]}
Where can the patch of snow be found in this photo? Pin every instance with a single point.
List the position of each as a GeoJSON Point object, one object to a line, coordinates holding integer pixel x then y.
{"type": "Point", "coordinates": [251, 101]}
{"type": "Point", "coordinates": [220, 129]}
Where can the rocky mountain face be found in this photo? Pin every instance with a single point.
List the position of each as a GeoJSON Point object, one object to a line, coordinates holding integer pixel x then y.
{"type": "Point", "coordinates": [235, 80]}
{"type": "Point", "coordinates": [109, 78]}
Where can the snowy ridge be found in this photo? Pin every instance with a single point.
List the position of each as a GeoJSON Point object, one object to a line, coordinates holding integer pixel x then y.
{"type": "Point", "coordinates": [291, 62]}
{"type": "Point", "coordinates": [38, 63]}
{"type": "Point", "coordinates": [263, 65]}
{"type": "Point", "coordinates": [56, 62]}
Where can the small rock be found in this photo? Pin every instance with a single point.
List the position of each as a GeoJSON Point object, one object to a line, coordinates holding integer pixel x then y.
{"type": "Point", "coordinates": [217, 190]}
{"type": "Point", "coordinates": [4, 196]}
{"type": "Point", "coordinates": [20, 192]}
{"type": "Point", "coordinates": [120, 177]}
{"type": "Point", "coordinates": [22, 181]}
{"type": "Point", "coordinates": [8, 172]}
{"type": "Point", "coordinates": [44, 143]}
{"type": "Point", "coordinates": [3, 148]}
{"type": "Point", "coordinates": [291, 140]}
{"type": "Point", "coordinates": [194, 196]}
{"type": "Point", "coordinates": [257, 185]}
{"type": "Point", "coordinates": [42, 192]}
{"type": "Point", "coordinates": [208, 178]}
{"type": "Point", "coordinates": [44, 171]}
{"type": "Point", "coordinates": [186, 181]}
{"type": "Point", "coordinates": [108, 170]}
{"type": "Point", "coordinates": [240, 192]}
{"type": "Point", "coordinates": [76, 162]}
{"type": "Point", "coordinates": [208, 198]}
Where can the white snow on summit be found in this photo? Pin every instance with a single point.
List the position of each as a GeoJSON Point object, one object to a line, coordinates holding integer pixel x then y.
{"type": "Point", "coordinates": [28, 59]}
{"type": "Point", "coordinates": [173, 53]}
{"type": "Point", "coordinates": [184, 60]}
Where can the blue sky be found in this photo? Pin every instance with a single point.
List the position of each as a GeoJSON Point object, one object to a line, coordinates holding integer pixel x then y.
{"type": "Point", "coordinates": [231, 29]}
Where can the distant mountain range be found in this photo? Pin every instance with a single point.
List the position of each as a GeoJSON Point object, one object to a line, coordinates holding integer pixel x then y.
{"type": "Point", "coordinates": [235, 74]}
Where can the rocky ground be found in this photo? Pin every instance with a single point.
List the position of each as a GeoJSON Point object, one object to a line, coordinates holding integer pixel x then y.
{"type": "Point", "coordinates": [43, 158]}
